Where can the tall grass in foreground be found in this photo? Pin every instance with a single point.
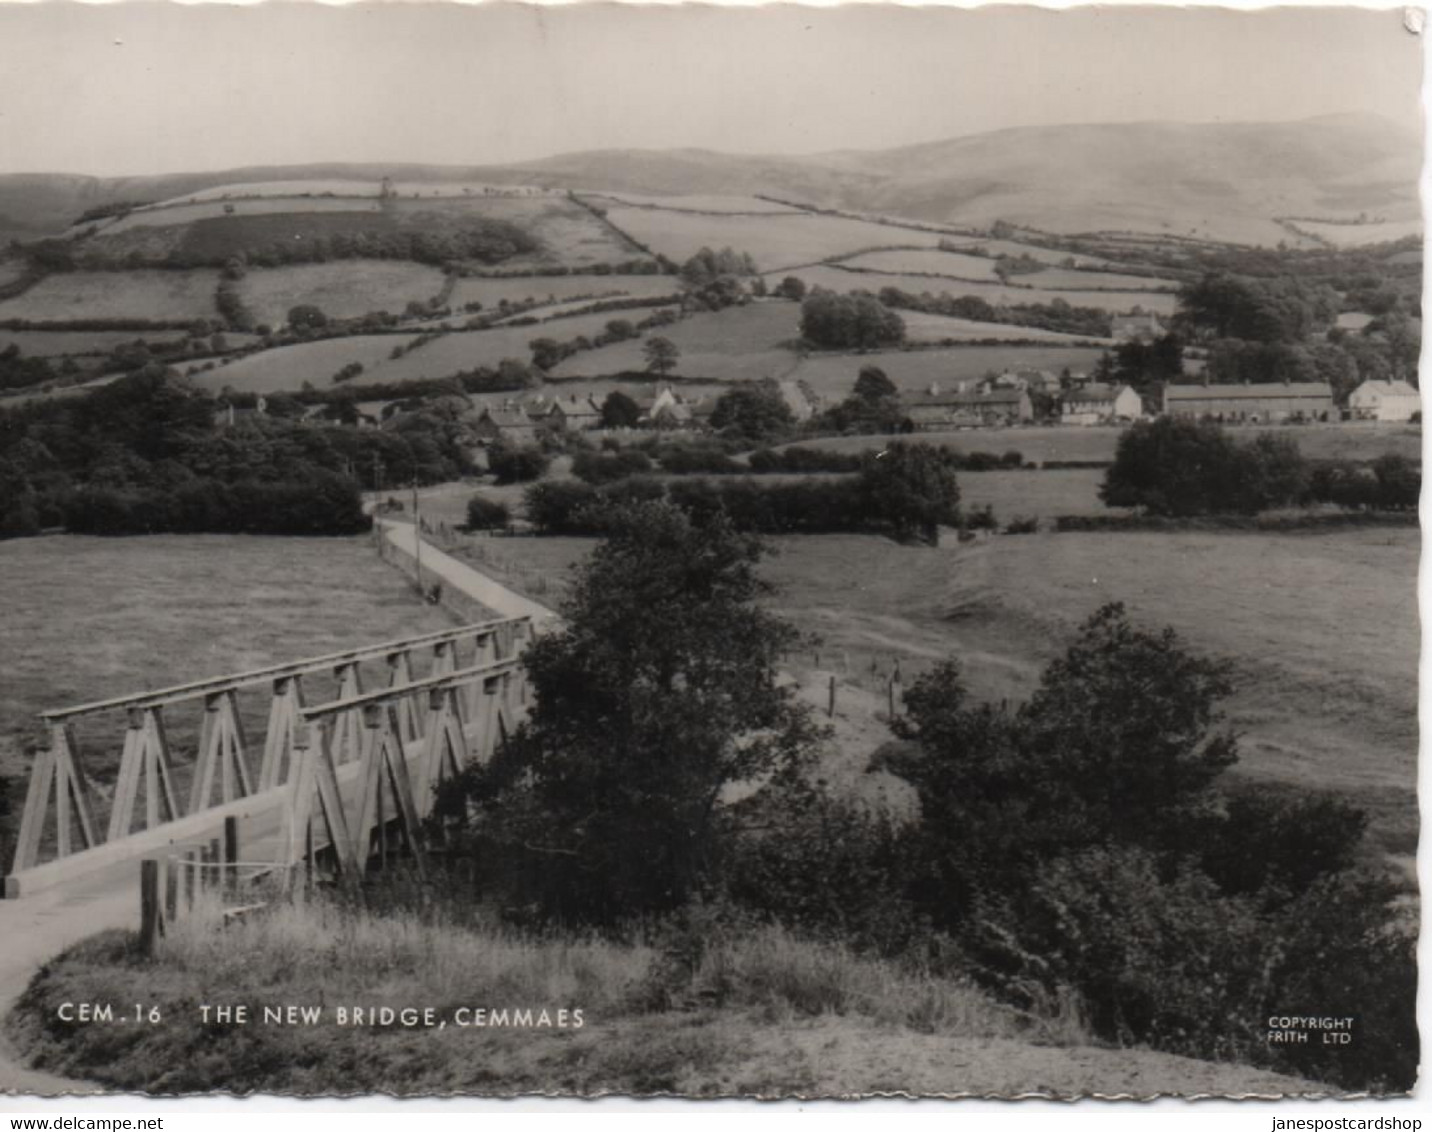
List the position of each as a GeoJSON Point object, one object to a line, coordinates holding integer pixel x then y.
{"type": "Point", "coordinates": [328, 950]}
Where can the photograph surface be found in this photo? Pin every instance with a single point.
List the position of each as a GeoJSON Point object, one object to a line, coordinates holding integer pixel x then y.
{"type": "Point", "coordinates": [680, 551]}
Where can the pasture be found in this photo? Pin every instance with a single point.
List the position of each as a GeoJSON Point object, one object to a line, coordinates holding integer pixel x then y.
{"type": "Point", "coordinates": [288, 367]}
{"type": "Point", "coordinates": [149, 295]}
{"type": "Point", "coordinates": [163, 215]}
{"type": "Point", "coordinates": [836, 278]}
{"type": "Point", "coordinates": [922, 327]}
{"type": "Point", "coordinates": [329, 187]}
{"type": "Point", "coordinates": [1341, 719]}
{"type": "Point", "coordinates": [469, 349]}
{"type": "Point", "coordinates": [1356, 235]}
{"type": "Point", "coordinates": [79, 343]}
{"type": "Point", "coordinates": [491, 291]}
{"type": "Point", "coordinates": [569, 235]}
{"type": "Point", "coordinates": [736, 344]}
{"type": "Point", "coordinates": [346, 289]}
{"type": "Point", "coordinates": [833, 375]}
{"type": "Point", "coordinates": [694, 202]}
{"type": "Point", "coordinates": [1362, 441]}
{"type": "Point", "coordinates": [777, 242]}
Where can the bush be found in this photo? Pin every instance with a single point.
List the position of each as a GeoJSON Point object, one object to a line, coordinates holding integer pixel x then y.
{"type": "Point", "coordinates": [1179, 467]}
{"type": "Point", "coordinates": [1022, 526]}
{"type": "Point", "coordinates": [517, 464]}
{"type": "Point", "coordinates": [608, 467]}
{"type": "Point", "coordinates": [485, 514]}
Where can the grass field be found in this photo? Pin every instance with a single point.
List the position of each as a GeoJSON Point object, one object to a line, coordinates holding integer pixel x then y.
{"type": "Point", "coordinates": [570, 235]}
{"type": "Point", "coordinates": [59, 343]}
{"type": "Point", "coordinates": [465, 350]}
{"type": "Point", "coordinates": [168, 214]}
{"type": "Point", "coordinates": [288, 367]}
{"type": "Point", "coordinates": [738, 343]}
{"type": "Point", "coordinates": [346, 289]}
{"type": "Point", "coordinates": [1355, 235]}
{"type": "Point", "coordinates": [490, 292]}
{"type": "Point", "coordinates": [833, 375]}
{"type": "Point", "coordinates": [1341, 718]}
{"type": "Point", "coordinates": [922, 327]}
{"type": "Point", "coordinates": [926, 261]}
{"type": "Point", "coordinates": [153, 295]}
{"type": "Point", "coordinates": [695, 202]}
{"type": "Point", "coordinates": [834, 278]}
{"type": "Point", "coordinates": [777, 242]}
{"type": "Point", "coordinates": [92, 618]}
{"type": "Point", "coordinates": [1319, 442]}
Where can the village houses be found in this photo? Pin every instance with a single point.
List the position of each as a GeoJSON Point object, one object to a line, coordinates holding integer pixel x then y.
{"type": "Point", "coordinates": [1384, 401]}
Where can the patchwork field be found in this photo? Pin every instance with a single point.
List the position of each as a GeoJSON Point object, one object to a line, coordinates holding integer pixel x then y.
{"type": "Point", "coordinates": [1356, 235]}
{"type": "Point", "coordinates": [922, 327]}
{"type": "Point", "coordinates": [288, 367]}
{"type": "Point", "coordinates": [152, 295]}
{"type": "Point", "coordinates": [317, 189]}
{"type": "Point", "coordinates": [491, 291]}
{"type": "Point", "coordinates": [346, 289]}
{"type": "Point", "coordinates": [835, 278]}
{"type": "Point", "coordinates": [834, 374]}
{"type": "Point", "coordinates": [736, 344]}
{"type": "Point", "coordinates": [172, 214]}
{"type": "Point", "coordinates": [569, 234]}
{"type": "Point", "coordinates": [926, 261]}
{"type": "Point", "coordinates": [695, 202]}
{"type": "Point", "coordinates": [151, 611]}
{"type": "Point", "coordinates": [79, 343]}
{"type": "Point", "coordinates": [1319, 442]}
{"type": "Point", "coordinates": [776, 243]}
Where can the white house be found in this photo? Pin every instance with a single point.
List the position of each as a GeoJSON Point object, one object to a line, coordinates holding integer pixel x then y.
{"type": "Point", "coordinates": [1384, 401]}
{"type": "Point", "coordinates": [1098, 404]}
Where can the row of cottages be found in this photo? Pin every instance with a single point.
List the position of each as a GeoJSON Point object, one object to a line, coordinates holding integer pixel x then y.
{"type": "Point", "coordinates": [1384, 401]}
{"type": "Point", "coordinates": [933, 409]}
{"type": "Point", "coordinates": [1095, 404]}
{"type": "Point", "coordinates": [1255, 403]}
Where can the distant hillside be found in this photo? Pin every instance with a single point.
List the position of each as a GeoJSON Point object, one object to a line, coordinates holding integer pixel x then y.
{"type": "Point", "coordinates": [1229, 181]}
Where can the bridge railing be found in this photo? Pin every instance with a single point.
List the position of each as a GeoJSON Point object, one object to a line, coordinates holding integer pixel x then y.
{"type": "Point", "coordinates": [420, 682]}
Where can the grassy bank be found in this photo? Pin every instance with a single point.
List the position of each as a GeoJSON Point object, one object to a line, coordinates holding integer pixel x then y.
{"type": "Point", "coordinates": [695, 1012]}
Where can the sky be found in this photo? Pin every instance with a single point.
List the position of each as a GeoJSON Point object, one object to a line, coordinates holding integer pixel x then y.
{"type": "Point", "coordinates": [118, 89]}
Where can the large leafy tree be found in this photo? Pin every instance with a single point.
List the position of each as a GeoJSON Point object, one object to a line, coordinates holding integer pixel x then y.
{"type": "Point", "coordinates": [658, 694]}
{"type": "Point", "coordinates": [913, 488]}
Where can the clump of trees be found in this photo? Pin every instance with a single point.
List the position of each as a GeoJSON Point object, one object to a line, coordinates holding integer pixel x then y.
{"type": "Point", "coordinates": [907, 491]}
{"type": "Point", "coordinates": [755, 412]}
{"type": "Point", "coordinates": [717, 280]}
{"type": "Point", "coordinates": [151, 451]}
{"type": "Point", "coordinates": [1177, 467]}
{"type": "Point", "coordinates": [517, 463]}
{"type": "Point", "coordinates": [658, 693]}
{"type": "Point", "coordinates": [857, 321]}
{"type": "Point", "coordinates": [484, 514]}
{"type": "Point", "coordinates": [874, 406]}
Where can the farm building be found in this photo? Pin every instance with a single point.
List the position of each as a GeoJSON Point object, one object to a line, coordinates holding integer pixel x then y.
{"type": "Point", "coordinates": [507, 425]}
{"type": "Point", "coordinates": [1267, 401]}
{"type": "Point", "coordinates": [1140, 327]}
{"type": "Point", "coordinates": [935, 410]}
{"type": "Point", "coordinates": [575, 414]}
{"type": "Point", "coordinates": [1099, 404]}
{"type": "Point", "coordinates": [1384, 401]}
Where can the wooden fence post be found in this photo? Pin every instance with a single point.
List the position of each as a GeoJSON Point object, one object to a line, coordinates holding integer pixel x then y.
{"type": "Point", "coordinates": [171, 888]}
{"type": "Point", "coordinates": [231, 853]}
{"type": "Point", "coordinates": [216, 870]}
{"type": "Point", "coordinates": [830, 708]}
{"type": "Point", "coordinates": [151, 915]}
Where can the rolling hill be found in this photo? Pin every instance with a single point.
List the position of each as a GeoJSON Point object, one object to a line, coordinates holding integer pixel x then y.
{"type": "Point", "coordinates": [1225, 181]}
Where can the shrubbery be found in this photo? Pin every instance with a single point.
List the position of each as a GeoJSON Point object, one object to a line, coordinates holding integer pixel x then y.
{"type": "Point", "coordinates": [485, 514]}
{"type": "Point", "coordinates": [517, 464]}
{"type": "Point", "coordinates": [1181, 468]}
